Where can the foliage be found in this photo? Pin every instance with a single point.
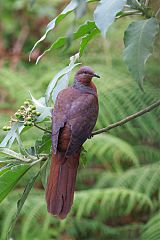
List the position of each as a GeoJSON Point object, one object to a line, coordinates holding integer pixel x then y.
{"type": "Point", "coordinates": [139, 35]}
{"type": "Point", "coordinates": [126, 177]}
{"type": "Point", "coordinates": [117, 193]}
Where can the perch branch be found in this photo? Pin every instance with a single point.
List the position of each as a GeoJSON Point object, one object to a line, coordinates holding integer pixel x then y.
{"type": "Point", "coordinates": [119, 123]}
{"type": "Point", "coordinates": [127, 119]}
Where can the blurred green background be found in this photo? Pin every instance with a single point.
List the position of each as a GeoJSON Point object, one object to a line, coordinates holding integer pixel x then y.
{"type": "Point", "coordinates": [122, 170]}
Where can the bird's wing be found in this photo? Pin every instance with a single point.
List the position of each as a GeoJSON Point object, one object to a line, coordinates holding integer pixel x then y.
{"type": "Point", "coordinates": [60, 128]}
{"type": "Point", "coordinates": [73, 119]}
{"type": "Point", "coordinates": [59, 119]}
{"type": "Point", "coordinates": [82, 119]}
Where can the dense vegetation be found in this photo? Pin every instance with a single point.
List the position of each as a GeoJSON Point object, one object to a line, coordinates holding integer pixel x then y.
{"type": "Point", "coordinates": [118, 191]}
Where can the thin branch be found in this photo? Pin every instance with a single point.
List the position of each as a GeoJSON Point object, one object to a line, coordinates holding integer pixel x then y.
{"type": "Point", "coordinates": [43, 129]}
{"type": "Point", "coordinates": [129, 13]}
{"type": "Point", "coordinates": [147, 2]}
{"type": "Point", "coordinates": [157, 13]}
{"type": "Point", "coordinates": [117, 124]}
{"type": "Point", "coordinates": [127, 119]}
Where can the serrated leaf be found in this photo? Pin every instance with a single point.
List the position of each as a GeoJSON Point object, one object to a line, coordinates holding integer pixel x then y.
{"type": "Point", "coordinates": [59, 75]}
{"type": "Point", "coordinates": [69, 8]}
{"type": "Point", "coordinates": [139, 39]}
{"type": "Point", "coordinates": [21, 201]}
{"type": "Point", "coordinates": [86, 39]}
{"type": "Point", "coordinates": [10, 177]}
{"type": "Point", "coordinates": [105, 13]}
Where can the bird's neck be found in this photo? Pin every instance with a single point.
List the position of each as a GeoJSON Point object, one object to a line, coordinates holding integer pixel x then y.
{"type": "Point", "coordinates": [89, 88]}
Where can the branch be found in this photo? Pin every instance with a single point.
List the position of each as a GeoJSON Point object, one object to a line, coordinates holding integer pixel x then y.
{"type": "Point", "coordinates": [129, 13]}
{"type": "Point", "coordinates": [127, 119]}
{"type": "Point", "coordinates": [43, 129]}
{"type": "Point", "coordinates": [119, 123]}
{"type": "Point", "coordinates": [157, 13]}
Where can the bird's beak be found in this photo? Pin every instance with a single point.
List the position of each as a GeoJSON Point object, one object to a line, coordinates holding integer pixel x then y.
{"type": "Point", "coordinates": [96, 75]}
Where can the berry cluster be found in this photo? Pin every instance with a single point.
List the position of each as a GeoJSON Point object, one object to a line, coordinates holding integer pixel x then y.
{"type": "Point", "coordinates": [26, 114]}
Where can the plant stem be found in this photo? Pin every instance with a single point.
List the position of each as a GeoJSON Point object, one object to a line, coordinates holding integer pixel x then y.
{"type": "Point", "coordinates": [119, 123]}
{"type": "Point", "coordinates": [43, 129]}
{"type": "Point", "coordinates": [127, 119]}
{"type": "Point", "coordinates": [157, 13]}
{"type": "Point", "coordinates": [129, 13]}
{"type": "Point", "coordinates": [146, 3]}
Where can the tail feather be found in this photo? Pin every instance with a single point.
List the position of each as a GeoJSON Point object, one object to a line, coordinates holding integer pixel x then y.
{"type": "Point", "coordinates": [61, 184]}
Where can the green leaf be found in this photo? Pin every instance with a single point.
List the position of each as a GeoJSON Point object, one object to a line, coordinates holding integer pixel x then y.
{"type": "Point", "coordinates": [151, 230]}
{"type": "Point", "coordinates": [21, 202]}
{"type": "Point", "coordinates": [13, 154]}
{"type": "Point", "coordinates": [134, 4]}
{"type": "Point", "coordinates": [45, 144]}
{"type": "Point", "coordinates": [42, 108]}
{"type": "Point", "coordinates": [83, 156]}
{"type": "Point", "coordinates": [86, 39]}
{"type": "Point", "coordinates": [8, 160]}
{"type": "Point", "coordinates": [81, 9]}
{"type": "Point", "coordinates": [10, 176]}
{"type": "Point", "coordinates": [105, 13]}
{"type": "Point", "coordinates": [139, 39]}
{"type": "Point", "coordinates": [62, 84]}
{"type": "Point", "coordinates": [59, 75]}
{"type": "Point", "coordinates": [44, 173]}
{"type": "Point", "coordinates": [87, 27]}
{"type": "Point", "coordinates": [5, 169]}
{"type": "Point", "coordinates": [69, 8]}
{"type": "Point", "coordinates": [11, 135]}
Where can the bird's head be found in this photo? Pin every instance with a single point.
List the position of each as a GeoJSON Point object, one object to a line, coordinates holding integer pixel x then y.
{"type": "Point", "coordinates": [85, 74]}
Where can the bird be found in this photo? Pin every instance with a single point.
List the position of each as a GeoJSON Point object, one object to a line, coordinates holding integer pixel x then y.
{"type": "Point", "coordinates": [73, 119]}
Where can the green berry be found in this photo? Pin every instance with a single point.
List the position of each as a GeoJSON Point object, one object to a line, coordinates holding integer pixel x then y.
{"type": "Point", "coordinates": [29, 119]}
{"type": "Point", "coordinates": [38, 113]}
{"type": "Point", "coordinates": [8, 128]}
{"type": "Point", "coordinates": [5, 128]}
{"type": "Point", "coordinates": [29, 110]}
{"type": "Point", "coordinates": [33, 111]}
{"type": "Point", "coordinates": [22, 107]}
{"type": "Point", "coordinates": [33, 107]}
{"type": "Point", "coordinates": [17, 114]}
{"type": "Point", "coordinates": [29, 123]}
{"type": "Point", "coordinates": [26, 103]}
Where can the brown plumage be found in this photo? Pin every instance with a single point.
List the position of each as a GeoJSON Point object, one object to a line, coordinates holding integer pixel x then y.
{"type": "Point", "coordinates": [74, 116]}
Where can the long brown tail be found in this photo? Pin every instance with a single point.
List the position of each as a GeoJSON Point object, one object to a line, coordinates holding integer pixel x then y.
{"type": "Point", "coordinates": [61, 184]}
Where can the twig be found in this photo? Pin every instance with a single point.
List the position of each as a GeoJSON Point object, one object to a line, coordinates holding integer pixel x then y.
{"type": "Point", "coordinates": [119, 123]}
{"type": "Point", "coordinates": [127, 119]}
{"type": "Point", "coordinates": [129, 13]}
{"type": "Point", "coordinates": [43, 129]}
{"type": "Point", "coordinates": [146, 3]}
{"type": "Point", "coordinates": [157, 13]}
